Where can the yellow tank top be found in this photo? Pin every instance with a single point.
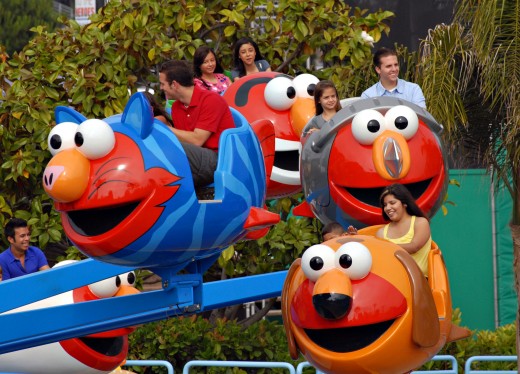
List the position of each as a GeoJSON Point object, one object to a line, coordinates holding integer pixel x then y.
{"type": "Point", "coordinates": [421, 256]}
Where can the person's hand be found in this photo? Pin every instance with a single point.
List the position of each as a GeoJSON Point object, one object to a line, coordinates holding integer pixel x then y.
{"type": "Point", "coordinates": [351, 230]}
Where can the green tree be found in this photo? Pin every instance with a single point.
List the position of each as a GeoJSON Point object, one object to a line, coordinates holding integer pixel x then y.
{"type": "Point", "coordinates": [93, 68]}
{"type": "Point", "coordinates": [471, 78]}
{"type": "Point", "coordinates": [18, 17]}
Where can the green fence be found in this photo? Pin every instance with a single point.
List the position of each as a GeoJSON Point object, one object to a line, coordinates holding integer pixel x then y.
{"type": "Point", "coordinates": [475, 240]}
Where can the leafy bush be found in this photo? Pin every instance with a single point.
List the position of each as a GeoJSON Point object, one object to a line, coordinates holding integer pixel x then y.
{"type": "Point", "coordinates": [184, 339]}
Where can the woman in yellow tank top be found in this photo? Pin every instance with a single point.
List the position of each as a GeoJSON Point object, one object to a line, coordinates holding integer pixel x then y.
{"type": "Point", "coordinates": [408, 227]}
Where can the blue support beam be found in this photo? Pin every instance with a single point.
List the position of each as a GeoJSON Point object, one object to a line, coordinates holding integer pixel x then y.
{"type": "Point", "coordinates": [184, 294]}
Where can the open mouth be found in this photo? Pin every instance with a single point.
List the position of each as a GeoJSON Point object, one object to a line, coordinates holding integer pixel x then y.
{"type": "Point", "coordinates": [287, 160]}
{"type": "Point", "coordinates": [370, 196]}
{"type": "Point", "coordinates": [105, 346]}
{"type": "Point", "coordinates": [93, 222]}
{"type": "Point", "coordinates": [348, 339]}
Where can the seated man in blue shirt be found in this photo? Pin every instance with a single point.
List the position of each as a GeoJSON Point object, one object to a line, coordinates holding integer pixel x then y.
{"type": "Point", "coordinates": [387, 67]}
{"type": "Point", "coordinates": [20, 258]}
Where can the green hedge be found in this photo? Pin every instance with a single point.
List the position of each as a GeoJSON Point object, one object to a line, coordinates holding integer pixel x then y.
{"type": "Point", "coordinates": [183, 339]}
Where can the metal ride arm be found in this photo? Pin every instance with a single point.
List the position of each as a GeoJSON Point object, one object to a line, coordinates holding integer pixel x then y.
{"type": "Point", "coordinates": [182, 294]}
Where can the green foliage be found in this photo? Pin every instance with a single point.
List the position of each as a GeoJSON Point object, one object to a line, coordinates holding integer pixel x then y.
{"type": "Point", "coordinates": [184, 339]}
{"type": "Point", "coordinates": [93, 68]}
{"type": "Point", "coordinates": [18, 17]}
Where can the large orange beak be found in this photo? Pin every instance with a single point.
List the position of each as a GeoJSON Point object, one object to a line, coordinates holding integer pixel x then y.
{"type": "Point", "coordinates": [391, 155]}
{"type": "Point", "coordinates": [65, 178]}
{"type": "Point", "coordinates": [302, 111]}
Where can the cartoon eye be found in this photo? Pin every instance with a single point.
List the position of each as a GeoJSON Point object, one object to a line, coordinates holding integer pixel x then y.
{"type": "Point", "coordinates": [61, 137]}
{"type": "Point", "coordinates": [403, 120]}
{"type": "Point", "coordinates": [305, 85]}
{"type": "Point", "coordinates": [94, 138]}
{"type": "Point", "coordinates": [280, 93]}
{"type": "Point", "coordinates": [106, 288]}
{"type": "Point", "coordinates": [317, 260]}
{"type": "Point", "coordinates": [127, 279]}
{"type": "Point", "coordinates": [367, 125]}
{"type": "Point", "coordinates": [354, 259]}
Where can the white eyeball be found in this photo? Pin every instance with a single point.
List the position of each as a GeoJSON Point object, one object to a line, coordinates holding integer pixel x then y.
{"type": "Point", "coordinates": [354, 259]}
{"type": "Point", "coordinates": [305, 85]}
{"type": "Point", "coordinates": [317, 260]}
{"type": "Point", "coordinates": [367, 125]}
{"type": "Point", "coordinates": [403, 120]}
{"type": "Point", "coordinates": [106, 288]}
{"type": "Point", "coordinates": [279, 93]}
{"type": "Point", "coordinates": [94, 138]}
{"type": "Point", "coordinates": [127, 279]}
{"type": "Point", "coordinates": [61, 137]}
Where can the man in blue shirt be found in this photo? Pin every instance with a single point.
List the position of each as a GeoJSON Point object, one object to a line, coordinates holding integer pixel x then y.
{"type": "Point", "coordinates": [387, 67]}
{"type": "Point", "coordinates": [20, 258]}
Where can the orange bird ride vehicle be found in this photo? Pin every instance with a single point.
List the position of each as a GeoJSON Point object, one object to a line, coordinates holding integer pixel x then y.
{"type": "Point", "coordinates": [358, 304]}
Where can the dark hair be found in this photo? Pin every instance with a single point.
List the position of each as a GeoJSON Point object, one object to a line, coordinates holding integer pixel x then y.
{"type": "Point", "coordinates": [177, 70]}
{"type": "Point", "coordinates": [198, 59]}
{"type": "Point", "coordinates": [13, 224]}
{"type": "Point", "coordinates": [380, 53]}
{"type": "Point", "coordinates": [158, 109]}
{"type": "Point", "coordinates": [331, 227]}
{"type": "Point", "coordinates": [239, 65]}
{"type": "Point", "coordinates": [402, 194]}
{"type": "Point", "coordinates": [318, 92]}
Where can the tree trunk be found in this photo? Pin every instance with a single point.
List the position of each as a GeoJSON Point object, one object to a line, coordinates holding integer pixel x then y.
{"type": "Point", "coordinates": [515, 231]}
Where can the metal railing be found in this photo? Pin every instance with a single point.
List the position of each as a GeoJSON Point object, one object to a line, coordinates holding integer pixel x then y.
{"type": "Point", "coordinates": [469, 370]}
{"type": "Point", "coordinates": [299, 369]}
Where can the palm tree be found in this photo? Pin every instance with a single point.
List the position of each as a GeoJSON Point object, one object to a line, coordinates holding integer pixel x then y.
{"type": "Point", "coordinates": [470, 73]}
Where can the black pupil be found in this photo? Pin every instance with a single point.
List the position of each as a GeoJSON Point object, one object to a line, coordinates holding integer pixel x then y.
{"type": "Point", "coordinates": [345, 261]}
{"type": "Point", "coordinates": [291, 92]}
{"type": "Point", "coordinates": [55, 141]}
{"type": "Point", "coordinates": [78, 139]}
{"type": "Point", "coordinates": [373, 125]}
{"type": "Point", "coordinates": [310, 89]}
{"type": "Point", "coordinates": [316, 263]}
{"type": "Point", "coordinates": [118, 281]}
{"type": "Point", "coordinates": [131, 278]}
{"type": "Point", "coordinates": [401, 122]}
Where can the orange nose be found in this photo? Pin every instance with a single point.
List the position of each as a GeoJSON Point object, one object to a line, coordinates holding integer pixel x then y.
{"type": "Point", "coordinates": [332, 295]}
{"type": "Point", "coordinates": [66, 176]}
{"type": "Point", "coordinates": [391, 155]}
{"type": "Point", "coordinates": [302, 111]}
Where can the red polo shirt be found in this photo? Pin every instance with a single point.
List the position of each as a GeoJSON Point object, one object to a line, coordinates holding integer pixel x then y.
{"type": "Point", "coordinates": [207, 111]}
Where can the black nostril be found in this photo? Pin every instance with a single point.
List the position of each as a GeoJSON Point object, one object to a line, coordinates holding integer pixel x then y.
{"type": "Point", "coordinates": [331, 305]}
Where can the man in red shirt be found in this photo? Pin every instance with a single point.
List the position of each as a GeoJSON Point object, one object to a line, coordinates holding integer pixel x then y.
{"type": "Point", "coordinates": [199, 117]}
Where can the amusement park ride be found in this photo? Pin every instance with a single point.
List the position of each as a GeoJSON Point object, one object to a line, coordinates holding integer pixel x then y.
{"type": "Point", "coordinates": [124, 190]}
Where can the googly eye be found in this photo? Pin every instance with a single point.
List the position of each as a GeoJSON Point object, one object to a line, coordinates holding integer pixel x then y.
{"type": "Point", "coordinates": [94, 138]}
{"type": "Point", "coordinates": [317, 260]}
{"type": "Point", "coordinates": [61, 137]}
{"type": "Point", "coordinates": [367, 125]}
{"type": "Point", "coordinates": [403, 120]}
{"type": "Point", "coordinates": [280, 93]}
{"type": "Point", "coordinates": [355, 259]}
{"type": "Point", "coordinates": [106, 288]}
{"type": "Point", "coordinates": [305, 85]}
{"type": "Point", "coordinates": [127, 279]}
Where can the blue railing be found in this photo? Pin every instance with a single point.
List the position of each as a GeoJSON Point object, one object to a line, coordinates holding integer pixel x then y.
{"type": "Point", "coordinates": [299, 369]}
{"type": "Point", "coordinates": [454, 367]}
{"type": "Point", "coordinates": [469, 370]}
{"type": "Point", "coordinates": [242, 364]}
{"type": "Point", "coordinates": [166, 364]}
